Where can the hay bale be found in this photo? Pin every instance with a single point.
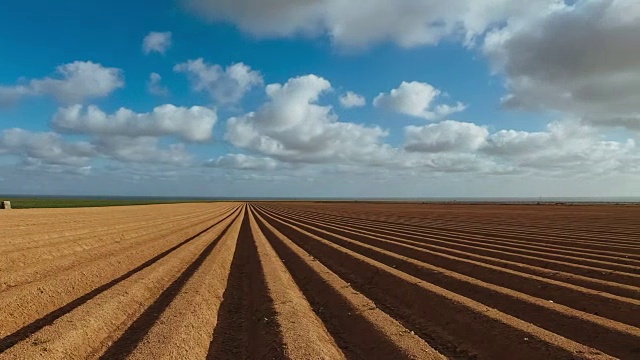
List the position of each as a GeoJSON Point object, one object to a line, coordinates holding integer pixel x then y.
{"type": "Point", "coordinates": [5, 205]}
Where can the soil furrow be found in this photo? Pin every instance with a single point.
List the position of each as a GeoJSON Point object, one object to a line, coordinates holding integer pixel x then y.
{"type": "Point", "coordinates": [47, 268]}
{"type": "Point", "coordinates": [304, 336]}
{"type": "Point", "coordinates": [629, 278]}
{"type": "Point", "coordinates": [582, 281]}
{"type": "Point", "coordinates": [562, 235]}
{"type": "Point", "coordinates": [612, 337]}
{"type": "Point", "coordinates": [132, 336]}
{"type": "Point", "coordinates": [247, 326]}
{"type": "Point", "coordinates": [359, 327]}
{"type": "Point", "coordinates": [616, 308]}
{"type": "Point", "coordinates": [46, 318]}
{"type": "Point", "coordinates": [532, 243]}
{"type": "Point", "coordinates": [622, 265]}
{"type": "Point", "coordinates": [489, 333]}
{"type": "Point", "coordinates": [78, 334]}
{"type": "Point", "coordinates": [609, 336]}
{"type": "Point", "coordinates": [54, 245]}
{"type": "Point", "coordinates": [183, 330]}
{"type": "Point", "coordinates": [63, 225]}
{"type": "Point", "coordinates": [321, 280]}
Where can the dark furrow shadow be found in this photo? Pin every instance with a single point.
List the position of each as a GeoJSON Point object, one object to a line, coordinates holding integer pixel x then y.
{"type": "Point", "coordinates": [359, 277]}
{"type": "Point", "coordinates": [453, 324]}
{"type": "Point", "coordinates": [620, 311]}
{"type": "Point", "coordinates": [355, 335]}
{"type": "Point", "coordinates": [613, 342]}
{"type": "Point", "coordinates": [48, 319]}
{"type": "Point", "coordinates": [247, 326]}
{"type": "Point", "coordinates": [126, 343]}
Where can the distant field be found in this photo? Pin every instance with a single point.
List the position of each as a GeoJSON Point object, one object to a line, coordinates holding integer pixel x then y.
{"type": "Point", "coordinates": [308, 280]}
{"type": "Point", "coordinates": [28, 203]}
{"type": "Point", "coordinates": [18, 202]}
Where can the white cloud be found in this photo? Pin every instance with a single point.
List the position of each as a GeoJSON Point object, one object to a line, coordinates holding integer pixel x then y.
{"type": "Point", "coordinates": [155, 86]}
{"type": "Point", "coordinates": [243, 162]}
{"type": "Point", "coordinates": [445, 136]}
{"type": "Point", "coordinates": [194, 124]}
{"type": "Point", "coordinates": [158, 42]}
{"type": "Point", "coordinates": [581, 58]}
{"type": "Point", "coordinates": [45, 147]}
{"type": "Point", "coordinates": [260, 178]}
{"type": "Point", "coordinates": [351, 99]}
{"type": "Point", "coordinates": [566, 147]}
{"type": "Point", "coordinates": [226, 86]}
{"type": "Point", "coordinates": [9, 95]}
{"type": "Point", "coordinates": [349, 24]}
{"type": "Point", "coordinates": [144, 149]}
{"type": "Point", "coordinates": [566, 150]}
{"type": "Point", "coordinates": [292, 127]}
{"type": "Point", "coordinates": [458, 162]}
{"type": "Point", "coordinates": [76, 82]}
{"type": "Point", "coordinates": [38, 166]}
{"type": "Point", "coordinates": [51, 152]}
{"type": "Point", "coordinates": [416, 99]}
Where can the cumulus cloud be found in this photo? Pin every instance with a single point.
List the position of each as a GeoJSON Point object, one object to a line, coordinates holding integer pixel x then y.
{"type": "Point", "coordinates": [581, 58]}
{"type": "Point", "coordinates": [51, 152]}
{"type": "Point", "coordinates": [144, 149]}
{"type": "Point", "coordinates": [45, 148]}
{"type": "Point", "coordinates": [293, 127]}
{"type": "Point", "coordinates": [351, 99]}
{"type": "Point", "coordinates": [75, 82]}
{"type": "Point", "coordinates": [565, 146]}
{"type": "Point", "coordinates": [460, 162]}
{"type": "Point", "coordinates": [124, 136]}
{"type": "Point", "coordinates": [9, 95]}
{"type": "Point", "coordinates": [34, 166]}
{"type": "Point", "coordinates": [155, 87]}
{"type": "Point", "coordinates": [448, 135]}
{"type": "Point", "coordinates": [194, 124]}
{"type": "Point", "coordinates": [243, 162]}
{"type": "Point", "coordinates": [158, 42]}
{"type": "Point", "coordinates": [226, 86]}
{"type": "Point", "coordinates": [416, 99]}
{"type": "Point", "coordinates": [407, 23]}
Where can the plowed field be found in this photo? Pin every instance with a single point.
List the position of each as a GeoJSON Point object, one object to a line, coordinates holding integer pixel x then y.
{"type": "Point", "coordinates": [321, 281]}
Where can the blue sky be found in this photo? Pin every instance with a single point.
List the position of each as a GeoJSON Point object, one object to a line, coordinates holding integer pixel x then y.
{"type": "Point", "coordinates": [506, 98]}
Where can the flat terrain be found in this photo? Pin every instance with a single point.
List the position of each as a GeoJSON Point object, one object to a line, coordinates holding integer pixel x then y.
{"type": "Point", "coordinates": [305, 280]}
{"type": "Point", "coordinates": [51, 202]}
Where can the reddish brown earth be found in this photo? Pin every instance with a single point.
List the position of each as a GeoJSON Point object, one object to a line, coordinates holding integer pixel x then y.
{"type": "Point", "coordinates": [304, 280]}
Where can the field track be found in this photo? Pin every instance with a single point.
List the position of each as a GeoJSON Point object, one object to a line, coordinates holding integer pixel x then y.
{"type": "Point", "coordinates": [303, 280]}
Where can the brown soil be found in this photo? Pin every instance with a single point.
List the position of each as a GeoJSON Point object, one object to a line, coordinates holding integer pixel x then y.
{"type": "Point", "coordinates": [304, 280]}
